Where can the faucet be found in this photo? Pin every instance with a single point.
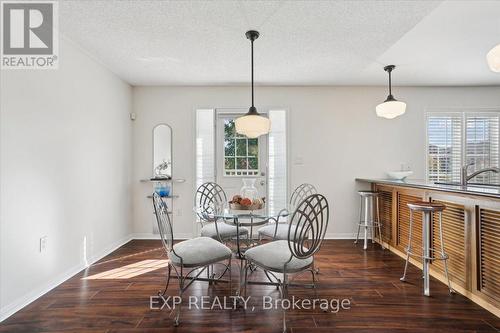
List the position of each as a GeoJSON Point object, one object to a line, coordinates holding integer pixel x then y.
{"type": "Point", "coordinates": [464, 179]}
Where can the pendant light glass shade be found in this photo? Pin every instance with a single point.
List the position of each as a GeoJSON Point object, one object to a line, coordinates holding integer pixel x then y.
{"type": "Point", "coordinates": [493, 58]}
{"type": "Point", "coordinates": [252, 124]}
{"type": "Point", "coordinates": [390, 108]}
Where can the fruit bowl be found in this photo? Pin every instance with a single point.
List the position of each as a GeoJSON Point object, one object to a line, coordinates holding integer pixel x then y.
{"type": "Point", "coordinates": [239, 203]}
{"type": "Point", "coordinates": [237, 206]}
{"type": "Point", "coordinates": [400, 175]}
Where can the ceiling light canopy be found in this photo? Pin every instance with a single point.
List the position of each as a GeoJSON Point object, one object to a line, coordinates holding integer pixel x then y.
{"type": "Point", "coordinates": [390, 108]}
{"type": "Point", "coordinates": [252, 124]}
{"type": "Point", "coordinates": [493, 58]}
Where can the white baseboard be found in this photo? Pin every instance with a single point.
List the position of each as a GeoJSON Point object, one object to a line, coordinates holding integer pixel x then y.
{"type": "Point", "coordinates": [110, 249]}
{"type": "Point", "coordinates": [334, 235]}
{"type": "Point", "coordinates": [9, 309]}
{"type": "Point", "coordinates": [157, 236]}
{"type": "Point", "coordinates": [340, 235]}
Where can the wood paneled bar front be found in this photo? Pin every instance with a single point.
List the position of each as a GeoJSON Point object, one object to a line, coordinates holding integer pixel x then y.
{"type": "Point", "coordinates": [471, 231]}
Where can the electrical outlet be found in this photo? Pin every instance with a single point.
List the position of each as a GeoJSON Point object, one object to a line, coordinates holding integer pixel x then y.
{"type": "Point", "coordinates": [43, 243]}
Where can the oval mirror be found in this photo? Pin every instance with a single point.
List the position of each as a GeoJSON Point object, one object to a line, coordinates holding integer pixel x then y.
{"type": "Point", "coordinates": [162, 152]}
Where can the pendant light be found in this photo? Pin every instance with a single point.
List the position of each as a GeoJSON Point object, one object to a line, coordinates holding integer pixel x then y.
{"type": "Point", "coordinates": [252, 124]}
{"type": "Point", "coordinates": [493, 58]}
{"type": "Point", "coordinates": [390, 108]}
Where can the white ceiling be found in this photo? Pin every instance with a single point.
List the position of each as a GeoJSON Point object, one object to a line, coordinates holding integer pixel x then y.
{"type": "Point", "coordinates": [301, 43]}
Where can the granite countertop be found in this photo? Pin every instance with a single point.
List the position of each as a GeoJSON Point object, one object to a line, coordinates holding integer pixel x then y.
{"type": "Point", "coordinates": [487, 191]}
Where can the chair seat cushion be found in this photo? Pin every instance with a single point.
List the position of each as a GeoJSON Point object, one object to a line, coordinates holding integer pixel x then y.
{"type": "Point", "coordinates": [225, 230]}
{"type": "Point", "coordinates": [273, 256]}
{"type": "Point", "coordinates": [281, 233]}
{"type": "Point", "coordinates": [199, 251]}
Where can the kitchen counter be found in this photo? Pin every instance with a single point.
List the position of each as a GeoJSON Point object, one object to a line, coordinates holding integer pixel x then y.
{"type": "Point", "coordinates": [477, 190]}
{"type": "Point", "coordinates": [471, 229]}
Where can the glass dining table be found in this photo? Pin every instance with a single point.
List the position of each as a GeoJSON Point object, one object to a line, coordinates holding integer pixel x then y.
{"type": "Point", "coordinates": [250, 219]}
{"type": "Point", "coordinates": [247, 219]}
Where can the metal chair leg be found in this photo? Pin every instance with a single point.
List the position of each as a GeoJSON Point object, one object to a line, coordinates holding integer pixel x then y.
{"type": "Point", "coordinates": [247, 266]}
{"type": "Point", "coordinates": [178, 307]}
{"type": "Point", "coordinates": [284, 295]}
{"type": "Point", "coordinates": [240, 286]}
{"type": "Point", "coordinates": [367, 214]}
{"type": "Point", "coordinates": [379, 224]}
{"type": "Point", "coordinates": [314, 268]}
{"type": "Point", "coordinates": [169, 271]}
{"type": "Point", "coordinates": [313, 273]}
{"type": "Point", "coordinates": [443, 254]}
{"type": "Point", "coordinates": [408, 248]}
{"type": "Point", "coordinates": [360, 219]}
{"type": "Point", "coordinates": [230, 278]}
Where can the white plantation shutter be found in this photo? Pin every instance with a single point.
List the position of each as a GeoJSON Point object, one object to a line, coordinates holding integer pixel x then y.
{"type": "Point", "coordinates": [205, 146]}
{"type": "Point", "coordinates": [277, 167]}
{"type": "Point", "coordinates": [482, 143]}
{"type": "Point", "coordinates": [444, 147]}
{"type": "Point", "coordinates": [454, 139]}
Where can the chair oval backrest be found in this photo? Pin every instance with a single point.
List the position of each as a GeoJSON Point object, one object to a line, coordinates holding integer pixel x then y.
{"type": "Point", "coordinates": [301, 192]}
{"type": "Point", "coordinates": [310, 220]}
{"type": "Point", "coordinates": [209, 199]}
{"type": "Point", "coordinates": [164, 224]}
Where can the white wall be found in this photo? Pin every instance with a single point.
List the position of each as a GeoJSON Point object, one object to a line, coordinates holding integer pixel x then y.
{"type": "Point", "coordinates": [65, 172]}
{"type": "Point", "coordinates": [333, 129]}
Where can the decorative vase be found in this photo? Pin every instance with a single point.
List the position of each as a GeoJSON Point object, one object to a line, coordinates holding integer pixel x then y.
{"type": "Point", "coordinates": [162, 188]}
{"type": "Point", "coordinates": [249, 190]}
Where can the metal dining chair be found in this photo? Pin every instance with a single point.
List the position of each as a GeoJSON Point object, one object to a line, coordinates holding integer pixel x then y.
{"type": "Point", "coordinates": [306, 232]}
{"type": "Point", "coordinates": [194, 255]}
{"type": "Point", "coordinates": [277, 230]}
{"type": "Point", "coordinates": [210, 200]}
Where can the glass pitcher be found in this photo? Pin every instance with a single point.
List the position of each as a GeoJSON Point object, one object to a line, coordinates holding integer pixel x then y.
{"type": "Point", "coordinates": [249, 190]}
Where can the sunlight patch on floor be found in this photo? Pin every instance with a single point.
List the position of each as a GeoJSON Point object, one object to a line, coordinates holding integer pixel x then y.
{"type": "Point", "coordinates": [130, 271]}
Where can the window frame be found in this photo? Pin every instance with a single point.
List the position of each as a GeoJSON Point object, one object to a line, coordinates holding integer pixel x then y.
{"type": "Point", "coordinates": [243, 172]}
{"type": "Point", "coordinates": [463, 113]}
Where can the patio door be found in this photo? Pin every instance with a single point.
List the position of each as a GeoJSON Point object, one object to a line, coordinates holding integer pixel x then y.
{"type": "Point", "coordinates": [239, 157]}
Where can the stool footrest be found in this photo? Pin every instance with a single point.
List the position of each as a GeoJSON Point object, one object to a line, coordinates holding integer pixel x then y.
{"type": "Point", "coordinates": [442, 256]}
{"type": "Point", "coordinates": [370, 224]}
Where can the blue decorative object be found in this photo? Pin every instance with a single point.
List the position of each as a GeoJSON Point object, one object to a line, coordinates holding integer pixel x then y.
{"type": "Point", "coordinates": [163, 189]}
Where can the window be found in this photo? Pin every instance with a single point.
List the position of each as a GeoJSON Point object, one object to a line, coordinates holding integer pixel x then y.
{"type": "Point", "coordinates": [444, 151]}
{"type": "Point", "coordinates": [482, 145]}
{"type": "Point", "coordinates": [457, 138]}
{"type": "Point", "coordinates": [241, 154]}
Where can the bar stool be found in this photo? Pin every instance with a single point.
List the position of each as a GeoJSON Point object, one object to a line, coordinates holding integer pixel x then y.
{"type": "Point", "coordinates": [367, 220]}
{"type": "Point", "coordinates": [427, 209]}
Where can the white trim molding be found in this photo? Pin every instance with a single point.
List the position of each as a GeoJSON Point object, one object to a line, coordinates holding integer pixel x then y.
{"type": "Point", "coordinates": [340, 235]}
{"type": "Point", "coordinates": [145, 235]}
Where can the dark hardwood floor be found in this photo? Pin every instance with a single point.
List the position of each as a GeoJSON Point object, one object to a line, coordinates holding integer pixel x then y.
{"type": "Point", "coordinates": [370, 280]}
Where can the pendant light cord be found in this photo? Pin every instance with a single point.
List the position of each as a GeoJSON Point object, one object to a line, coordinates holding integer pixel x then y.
{"type": "Point", "coordinates": [252, 72]}
{"type": "Point", "coordinates": [390, 84]}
